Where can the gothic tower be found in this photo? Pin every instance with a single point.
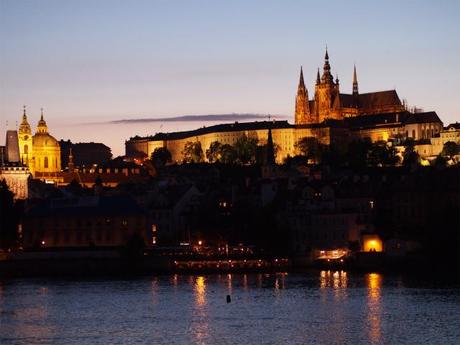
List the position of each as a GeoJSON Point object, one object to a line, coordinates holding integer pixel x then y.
{"type": "Point", "coordinates": [302, 109]}
{"type": "Point", "coordinates": [25, 140]}
{"type": "Point", "coordinates": [326, 92]}
{"type": "Point", "coordinates": [355, 88]}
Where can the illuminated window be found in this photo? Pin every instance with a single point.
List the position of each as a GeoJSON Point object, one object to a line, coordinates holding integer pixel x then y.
{"type": "Point", "coordinates": [45, 162]}
{"type": "Point", "coordinates": [26, 149]}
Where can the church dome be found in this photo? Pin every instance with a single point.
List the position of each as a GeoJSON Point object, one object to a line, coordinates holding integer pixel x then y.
{"type": "Point", "coordinates": [44, 140]}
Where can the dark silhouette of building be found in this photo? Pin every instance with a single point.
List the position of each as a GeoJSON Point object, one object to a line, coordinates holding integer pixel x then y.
{"type": "Point", "coordinates": [85, 154]}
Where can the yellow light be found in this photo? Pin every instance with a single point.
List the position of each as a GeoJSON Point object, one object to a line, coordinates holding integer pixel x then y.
{"type": "Point", "coordinates": [200, 242]}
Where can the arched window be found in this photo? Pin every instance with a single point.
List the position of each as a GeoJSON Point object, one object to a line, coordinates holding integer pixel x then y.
{"type": "Point", "coordinates": [45, 163]}
{"type": "Point", "coordinates": [26, 149]}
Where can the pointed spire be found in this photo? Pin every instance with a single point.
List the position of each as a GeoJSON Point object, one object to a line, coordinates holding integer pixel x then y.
{"type": "Point", "coordinates": [270, 158]}
{"type": "Point", "coordinates": [337, 78]}
{"type": "Point", "coordinates": [24, 127]}
{"type": "Point", "coordinates": [70, 164]}
{"type": "Point", "coordinates": [327, 76]}
{"type": "Point", "coordinates": [355, 81]}
{"type": "Point", "coordinates": [318, 79]}
{"type": "Point", "coordinates": [301, 82]}
{"type": "Point", "coordinates": [42, 127]}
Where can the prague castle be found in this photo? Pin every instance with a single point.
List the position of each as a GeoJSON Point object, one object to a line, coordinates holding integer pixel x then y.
{"type": "Point", "coordinates": [329, 103]}
{"type": "Point", "coordinates": [332, 117]}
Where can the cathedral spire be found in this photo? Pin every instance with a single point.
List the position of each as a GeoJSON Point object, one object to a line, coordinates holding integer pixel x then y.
{"type": "Point", "coordinates": [302, 109]}
{"type": "Point", "coordinates": [318, 78]}
{"type": "Point", "coordinates": [355, 81]}
{"type": "Point", "coordinates": [301, 82]}
{"type": "Point", "coordinates": [327, 76]}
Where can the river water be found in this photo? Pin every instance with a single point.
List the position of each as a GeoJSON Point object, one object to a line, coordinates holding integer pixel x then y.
{"type": "Point", "coordinates": [313, 308]}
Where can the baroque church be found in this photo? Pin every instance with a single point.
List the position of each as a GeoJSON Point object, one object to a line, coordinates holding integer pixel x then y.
{"type": "Point", "coordinates": [330, 103]}
{"type": "Point", "coordinates": [40, 152]}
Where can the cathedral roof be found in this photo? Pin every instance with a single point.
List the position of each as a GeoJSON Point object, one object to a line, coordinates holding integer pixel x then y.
{"type": "Point", "coordinates": [371, 99]}
{"type": "Point", "coordinates": [391, 119]}
{"type": "Point", "coordinates": [426, 117]}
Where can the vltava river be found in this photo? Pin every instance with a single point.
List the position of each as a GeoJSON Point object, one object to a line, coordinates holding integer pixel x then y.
{"type": "Point", "coordinates": [315, 308]}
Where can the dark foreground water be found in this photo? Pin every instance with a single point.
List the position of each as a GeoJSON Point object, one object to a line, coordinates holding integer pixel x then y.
{"type": "Point", "coordinates": [314, 308]}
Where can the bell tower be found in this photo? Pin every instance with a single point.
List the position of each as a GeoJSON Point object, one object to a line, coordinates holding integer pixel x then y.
{"type": "Point", "coordinates": [25, 140]}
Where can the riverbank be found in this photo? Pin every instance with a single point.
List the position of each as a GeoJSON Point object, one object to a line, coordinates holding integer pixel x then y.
{"type": "Point", "coordinates": [115, 263]}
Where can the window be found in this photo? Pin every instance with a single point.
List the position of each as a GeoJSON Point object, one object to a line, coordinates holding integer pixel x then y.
{"type": "Point", "coordinates": [413, 133]}
{"type": "Point", "coordinates": [26, 149]}
{"type": "Point", "coordinates": [45, 162]}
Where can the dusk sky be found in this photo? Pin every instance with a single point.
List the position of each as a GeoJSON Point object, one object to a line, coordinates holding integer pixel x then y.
{"type": "Point", "coordinates": [95, 60]}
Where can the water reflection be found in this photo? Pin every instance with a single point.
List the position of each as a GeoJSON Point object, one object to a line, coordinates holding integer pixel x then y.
{"type": "Point", "coordinates": [229, 284]}
{"type": "Point", "coordinates": [336, 280]}
{"type": "Point", "coordinates": [280, 281]}
{"type": "Point", "coordinates": [200, 325]}
{"type": "Point", "coordinates": [245, 282]}
{"type": "Point", "coordinates": [200, 291]}
{"type": "Point", "coordinates": [154, 288]}
{"type": "Point", "coordinates": [374, 285]}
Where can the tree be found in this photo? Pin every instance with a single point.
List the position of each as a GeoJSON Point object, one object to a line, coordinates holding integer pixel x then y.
{"type": "Point", "coordinates": [357, 154]}
{"type": "Point", "coordinates": [380, 154]}
{"type": "Point", "coordinates": [192, 153]}
{"type": "Point", "coordinates": [227, 154]}
{"type": "Point", "coordinates": [410, 156]}
{"type": "Point", "coordinates": [450, 150]}
{"type": "Point", "coordinates": [214, 152]}
{"type": "Point", "coordinates": [8, 219]}
{"type": "Point", "coordinates": [311, 148]}
{"type": "Point", "coordinates": [160, 156]}
{"type": "Point", "coordinates": [245, 149]}
{"type": "Point", "coordinates": [440, 161]}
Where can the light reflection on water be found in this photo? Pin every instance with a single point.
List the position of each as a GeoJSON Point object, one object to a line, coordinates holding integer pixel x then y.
{"type": "Point", "coordinates": [330, 307]}
{"type": "Point", "coordinates": [374, 284]}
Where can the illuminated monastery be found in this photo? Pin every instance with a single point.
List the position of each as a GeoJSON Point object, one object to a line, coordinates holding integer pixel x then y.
{"type": "Point", "coordinates": [332, 117]}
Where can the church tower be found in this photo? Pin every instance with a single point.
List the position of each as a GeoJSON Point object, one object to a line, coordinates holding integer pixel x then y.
{"type": "Point", "coordinates": [326, 93]}
{"type": "Point", "coordinates": [302, 109]}
{"type": "Point", "coordinates": [25, 140]}
{"type": "Point", "coordinates": [355, 88]}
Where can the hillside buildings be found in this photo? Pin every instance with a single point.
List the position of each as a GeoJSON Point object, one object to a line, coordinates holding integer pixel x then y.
{"type": "Point", "coordinates": [331, 117]}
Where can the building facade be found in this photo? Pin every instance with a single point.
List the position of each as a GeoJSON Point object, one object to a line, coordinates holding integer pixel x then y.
{"type": "Point", "coordinates": [85, 222]}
